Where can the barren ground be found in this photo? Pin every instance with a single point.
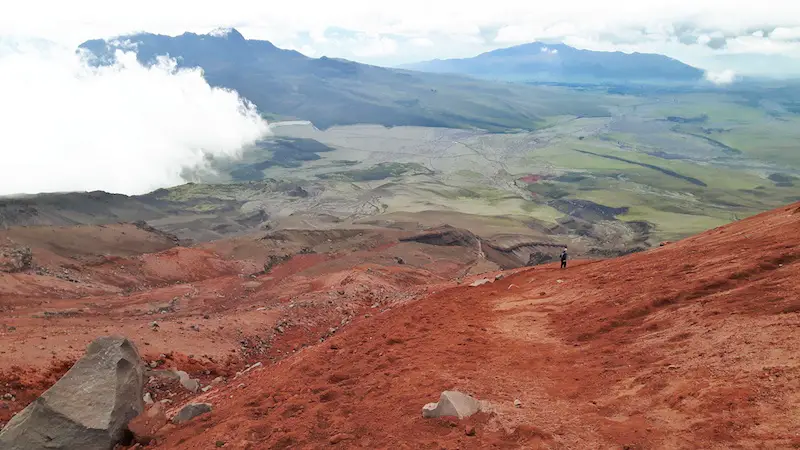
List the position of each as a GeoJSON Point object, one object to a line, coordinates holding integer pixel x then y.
{"type": "Point", "coordinates": [691, 345]}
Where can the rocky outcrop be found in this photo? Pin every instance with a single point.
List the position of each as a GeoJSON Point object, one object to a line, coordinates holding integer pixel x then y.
{"type": "Point", "coordinates": [88, 408]}
{"type": "Point", "coordinates": [14, 258]}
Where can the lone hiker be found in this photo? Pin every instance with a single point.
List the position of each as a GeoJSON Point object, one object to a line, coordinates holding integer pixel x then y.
{"type": "Point", "coordinates": [564, 258]}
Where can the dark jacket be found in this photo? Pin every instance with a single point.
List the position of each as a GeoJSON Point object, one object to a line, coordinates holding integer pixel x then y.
{"type": "Point", "coordinates": [564, 255]}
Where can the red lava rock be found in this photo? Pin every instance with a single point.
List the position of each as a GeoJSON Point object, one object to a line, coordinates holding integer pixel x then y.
{"type": "Point", "coordinates": [469, 430]}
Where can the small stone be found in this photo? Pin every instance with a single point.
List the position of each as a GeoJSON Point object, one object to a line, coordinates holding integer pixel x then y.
{"type": "Point", "coordinates": [341, 437]}
{"type": "Point", "coordinates": [148, 399]}
{"type": "Point", "coordinates": [191, 411]}
{"type": "Point", "coordinates": [153, 364]}
{"type": "Point", "coordinates": [499, 277]}
{"type": "Point", "coordinates": [517, 403]}
{"type": "Point", "coordinates": [195, 328]}
{"type": "Point", "coordinates": [218, 380]}
{"type": "Point", "coordinates": [469, 430]}
{"type": "Point", "coordinates": [480, 282]}
{"type": "Point", "coordinates": [254, 366]}
{"type": "Point", "coordinates": [188, 383]}
{"type": "Point", "coordinates": [206, 317]}
{"type": "Point", "coordinates": [207, 388]}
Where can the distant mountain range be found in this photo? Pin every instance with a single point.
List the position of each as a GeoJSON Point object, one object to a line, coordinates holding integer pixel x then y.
{"type": "Point", "coordinates": [285, 84]}
{"type": "Point", "coordinates": [562, 63]}
{"type": "Point", "coordinates": [327, 91]}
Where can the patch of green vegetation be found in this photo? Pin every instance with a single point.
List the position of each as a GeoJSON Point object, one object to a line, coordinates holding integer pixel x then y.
{"type": "Point", "coordinates": [377, 172]}
{"type": "Point", "coordinates": [277, 152]}
{"type": "Point", "coordinates": [547, 190]}
{"type": "Point", "coordinates": [703, 118]}
{"type": "Point", "coordinates": [571, 178]}
{"type": "Point", "coordinates": [673, 225]}
{"type": "Point", "coordinates": [782, 180]}
{"type": "Point", "coordinates": [344, 162]}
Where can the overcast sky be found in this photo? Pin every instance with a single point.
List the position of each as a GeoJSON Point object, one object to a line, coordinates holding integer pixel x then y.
{"type": "Point", "coordinates": [131, 129]}
{"type": "Point", "coordinates": [746, 36]}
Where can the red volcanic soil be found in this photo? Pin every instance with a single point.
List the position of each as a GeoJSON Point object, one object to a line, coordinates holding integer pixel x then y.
{"type": "Point", "coordinates": [690, 345]}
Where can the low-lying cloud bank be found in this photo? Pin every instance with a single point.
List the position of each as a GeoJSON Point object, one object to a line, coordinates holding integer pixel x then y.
{"type": "Point", "coordinates": [126, 128]}
{"type": "Point", "coordinates": [721, 78]}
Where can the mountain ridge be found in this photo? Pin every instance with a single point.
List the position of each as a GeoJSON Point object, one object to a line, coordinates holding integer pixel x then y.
{"type": "Point", "coordinates": [537, 61]}
{"type": "Point", "coordinates": [329, 91]}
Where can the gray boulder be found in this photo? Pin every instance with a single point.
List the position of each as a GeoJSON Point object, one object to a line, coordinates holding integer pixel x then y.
{"type": "Point", "coordinates": [88, 408]}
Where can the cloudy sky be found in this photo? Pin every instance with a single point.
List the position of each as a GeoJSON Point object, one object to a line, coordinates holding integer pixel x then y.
{"type": "Point", "coordinates": [130, 129]}
{"type": "Point", "coordinates": [743, 36]}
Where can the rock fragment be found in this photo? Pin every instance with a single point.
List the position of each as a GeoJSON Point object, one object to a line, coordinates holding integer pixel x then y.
{"type": "Point", "coordinates": [145, 426]}
{"type": "Point", "coordinates": [341, 437]}
{"type": "Point", "coordinates": [452, 403]}
{"type": "Point", "coordinates": [191, 411]}
{"type": "Point", "coordinates": [188, 383]}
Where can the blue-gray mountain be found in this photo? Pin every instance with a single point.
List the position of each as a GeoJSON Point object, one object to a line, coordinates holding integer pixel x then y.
{"type": "Point", "coordinates": [564, 64]}
{"type": "Point", "coordinates": [326, 91]}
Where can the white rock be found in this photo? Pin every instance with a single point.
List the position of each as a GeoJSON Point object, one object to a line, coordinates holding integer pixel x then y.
{"type": "Point", "coordinates": [452, 403]}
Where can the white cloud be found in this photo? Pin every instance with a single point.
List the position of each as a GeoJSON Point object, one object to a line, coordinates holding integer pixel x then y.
{"type": "Point", "coordinates": [785, 34]}
{"type": "Point", "coordinates": [683, 29]}
{"type": "Point", "coordinates": [375, 46]}
{"type": "Point", "coordinates": [125, 128]}
{"type": "Point", "coordinates": [422, 42]}
{"type": "Point", "coordinates": [721, 78]}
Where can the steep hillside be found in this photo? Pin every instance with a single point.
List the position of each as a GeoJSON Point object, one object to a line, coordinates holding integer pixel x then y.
{"type": "Point", "coordinates": [562, 63]}
{"type": "Point", "coordinates": [692, 345]}
{"type": "Point", "coordinates": [331, 92]}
